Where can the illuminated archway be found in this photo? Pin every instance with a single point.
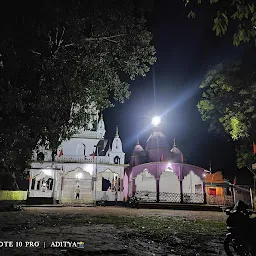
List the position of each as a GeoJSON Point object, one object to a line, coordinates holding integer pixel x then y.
{"type": "Point", "coordinates": [145, 181]}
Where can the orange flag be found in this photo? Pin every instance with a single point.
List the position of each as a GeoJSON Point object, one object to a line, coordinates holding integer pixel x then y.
{"type": "Point", "coordinates": [162, 158]}
{"type": "Point", "coordinates": [254, 148]}
{"type": "Point", "coordinates": [234, 181]}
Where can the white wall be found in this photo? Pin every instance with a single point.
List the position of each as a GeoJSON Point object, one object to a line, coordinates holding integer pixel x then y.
{"type": "Point", "coordinates": [190, 181]}
{"type": "Point", "coordinates": [71, 182]}
{"type": "Point", "coordinates": [169, 182]}
{"type": "Point", "coordinates": [74, 146]}
{"type": "Point", "coordinates": [145, 182]}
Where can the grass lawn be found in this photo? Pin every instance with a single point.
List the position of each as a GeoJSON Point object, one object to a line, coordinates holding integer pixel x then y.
{"type": "Point", "coordinates": [114, 231]}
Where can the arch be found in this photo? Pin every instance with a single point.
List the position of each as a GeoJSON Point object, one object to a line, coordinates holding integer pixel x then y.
{"type": "Point", "coordinates": [107, 180]}
{"type": "Point", "coordinates": [40, 157]}
{"type": "Point", "coordinates": [72, 180]}
{"type": "Point", "coordinates": [74, 174]}
{"type": "Point", "coordinates": [169, 182]}
{"type": "Point", "coordinates": [116, 160]}
{"type": "Point", "coordinates": [191, 182]}
{"type": "Point", "coordinates": [145, 181]}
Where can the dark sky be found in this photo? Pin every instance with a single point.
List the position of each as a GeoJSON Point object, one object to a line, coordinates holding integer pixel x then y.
{"type": "Point", "coordinates": [186, 49]}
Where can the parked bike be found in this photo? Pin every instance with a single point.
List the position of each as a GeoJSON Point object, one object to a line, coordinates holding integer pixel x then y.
{"type": "Point", "coordinates": [240, 240]}
{"type": "Point", "coordinates": [134, 202]}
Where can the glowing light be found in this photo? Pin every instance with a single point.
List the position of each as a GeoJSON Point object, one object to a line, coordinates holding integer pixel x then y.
{"type": "Point", "coordinates": [204, 174]}
{"type": "Point", "coordinates": [169, 169]}
{"type": "Point", "coordinates": [47, 172]}
{"type": "Point", "coordinates": [79, 175]}
{"type": "Point", "coordinates": [156, 120]}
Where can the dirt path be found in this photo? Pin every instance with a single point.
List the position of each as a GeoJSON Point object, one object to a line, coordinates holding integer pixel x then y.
{"type": "Point", "coordinates": [113, 231]}
{"type": "Point", "coordinates": [122, 211]}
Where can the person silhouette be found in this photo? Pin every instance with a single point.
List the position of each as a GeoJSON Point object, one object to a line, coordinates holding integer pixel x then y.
{"type": "Point", "coordinates": [77, 193]}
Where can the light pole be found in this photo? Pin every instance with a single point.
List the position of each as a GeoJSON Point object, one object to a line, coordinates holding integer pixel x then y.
{"type": "Point", "coordinates": [95, 181]}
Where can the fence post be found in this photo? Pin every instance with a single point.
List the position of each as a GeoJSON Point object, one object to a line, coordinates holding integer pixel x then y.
{"type": "Point", "coordinates": [157, 190]}
{"type": "Point", "coordinates": [251, 195]}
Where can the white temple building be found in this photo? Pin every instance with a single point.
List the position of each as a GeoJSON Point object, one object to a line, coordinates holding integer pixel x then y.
{"type": "Point", "coordinates": [86, 163]}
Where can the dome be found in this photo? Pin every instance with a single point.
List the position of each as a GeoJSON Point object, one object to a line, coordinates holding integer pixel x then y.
{"type": "Point", "coordinates": [138, 156]}
{"type": "Point", "coordinates": [175, 150]}
{"type": "Point", "coordinates": [157, 147]}
{"type": "Point", "coordinates": [176, 154]}
{"type": "Point", "coordinates": [156, 140]}
{"type": "Point", "coordinates": [137, 150]}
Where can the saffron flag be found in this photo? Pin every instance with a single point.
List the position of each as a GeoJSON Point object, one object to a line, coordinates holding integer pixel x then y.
{"type": "Point", "coordinates": [162, 158]}
{"type": "Point", "coordinates": [254, 148]}
{"type": "Point", "coordinates": [234, 181]}
{"type": "Point", "coordinates": [61, 153]}
{"type": "Point", "coordinates": [212, 178]}
{"type": "Point", "coordinates": [92, 155]}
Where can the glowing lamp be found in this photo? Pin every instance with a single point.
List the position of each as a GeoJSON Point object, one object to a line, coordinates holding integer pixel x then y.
{"type": "Point", "coordinates": [156, 120]}
{"type": "Point", "coordinates": [79, 175]}
{"type": "Point", "coordinates": [47, 172]}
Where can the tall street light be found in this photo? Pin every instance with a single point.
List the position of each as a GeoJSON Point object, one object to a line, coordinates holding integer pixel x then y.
{"type": "Point", "coordinates": [95, 182]}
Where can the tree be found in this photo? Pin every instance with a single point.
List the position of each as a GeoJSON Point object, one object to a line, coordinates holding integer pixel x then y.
{"type": "Point", "coordinates": [239, 16]}
{"type": "Point", "coordinates": [59, 58]}
{"type": "Point", "coordinates": [228, 104]}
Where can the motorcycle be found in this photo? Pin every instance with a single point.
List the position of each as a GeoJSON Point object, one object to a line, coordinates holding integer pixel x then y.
{"type": "Point", "coordinates": [134, 202]}
{"type": "Point", "coordinates": [240, 239]}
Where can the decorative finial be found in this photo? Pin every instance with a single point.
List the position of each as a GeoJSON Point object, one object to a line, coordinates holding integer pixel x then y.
{"type": "Point", "coordinates": [138, 142]}
{"type": "Point", "coordinates": [101, 116]}
{"type": "Point", "coordinates": [174, 142]}
{"type": "Point", "coordinates": [117, 132]}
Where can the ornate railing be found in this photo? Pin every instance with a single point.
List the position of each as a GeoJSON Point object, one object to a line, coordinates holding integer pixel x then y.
{"type": "Point", "coordinates": [220, 200]}
{"type": "Point", "coordinates": [193, 198]}
{"type": "Point", "coordinates": [86, 134]}
{"type": "Point", "coordinates": [78, 159]}
{"type": "Point", "coordinates": [169, 197]}
{"type": "Point", "coordinates": [146, 196]}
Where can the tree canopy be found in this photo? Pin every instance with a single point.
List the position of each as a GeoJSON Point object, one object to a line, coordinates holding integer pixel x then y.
{"type": "Point", "coordinates": [238, 16]}
{"type": "Point", "coordinates": [228, 104]}
{"type": "Point", "coordinates": [60, 56]}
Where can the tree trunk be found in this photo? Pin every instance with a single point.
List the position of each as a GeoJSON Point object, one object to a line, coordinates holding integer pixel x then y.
{"type": "Point", "coordinates": [14, 182]}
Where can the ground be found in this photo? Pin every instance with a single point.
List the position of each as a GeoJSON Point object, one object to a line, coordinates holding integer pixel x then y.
{"type": "Point", "coordinates": [114, 231]}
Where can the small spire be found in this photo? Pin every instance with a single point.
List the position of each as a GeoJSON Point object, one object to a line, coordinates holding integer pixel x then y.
{"type": "Point", "coordinates": [174, 142]}
{"type": "Point", "coordinates": [101, 116]}
{"type": "Point", "coordinates": [138, 142]}
{"type": "Point", "coordinates": [117, 135]}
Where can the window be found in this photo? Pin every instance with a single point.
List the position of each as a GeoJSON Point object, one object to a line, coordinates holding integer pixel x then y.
{"type": "Point", "coordinates": [212, 191]}
{"type": "Point", "coordinates": [117, 160]}
{"type": "Point", "coordinates": [40, 157]}
{"type": "Point", "coordinates": [106, 184]}
{"type": "Point", "coordinates": [198, 189]}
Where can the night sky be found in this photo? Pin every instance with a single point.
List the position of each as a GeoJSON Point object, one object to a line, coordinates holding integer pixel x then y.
{"type": "Point", "coordinates": [186, 49]}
